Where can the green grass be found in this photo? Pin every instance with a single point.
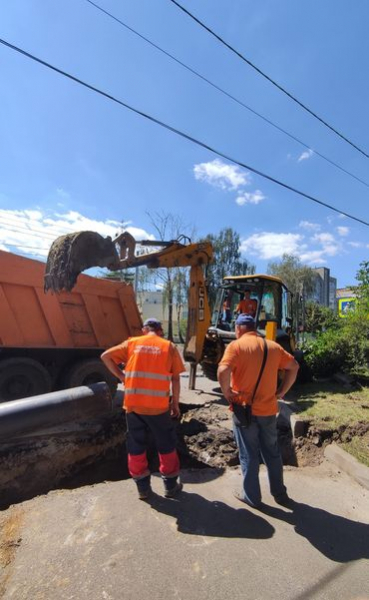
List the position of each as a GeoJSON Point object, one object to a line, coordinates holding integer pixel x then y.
{"type": "Point", "coordinates": [359, 448]}
{"type": "Point", "coordinates": [328, 405]}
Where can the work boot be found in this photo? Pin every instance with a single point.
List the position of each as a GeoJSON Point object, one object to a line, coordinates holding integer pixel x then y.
{"type": "Point", "coordinates": [171, 487]}
{"type": "Point", "coordinates": [283, 499]}
{"type": "Point", "coordinates": [144, 488]}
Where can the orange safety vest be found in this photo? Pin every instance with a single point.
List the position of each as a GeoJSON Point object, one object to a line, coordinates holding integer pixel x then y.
{"type": "Point", "coordinates": [147, 380]}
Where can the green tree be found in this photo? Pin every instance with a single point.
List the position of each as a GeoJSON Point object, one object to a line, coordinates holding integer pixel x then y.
{"type": "Point", "coordinates": [345, 348]}
{"type": "Point", "coordinates": [299, 279]}
{"type": "Point", "coordinates": [319, 318]}
{"type": "Point", "coordinates": [227, 260]}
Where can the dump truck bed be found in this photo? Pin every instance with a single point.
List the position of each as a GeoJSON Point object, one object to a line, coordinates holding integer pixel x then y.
{"type": "Point", "coordinates": [98, 313]}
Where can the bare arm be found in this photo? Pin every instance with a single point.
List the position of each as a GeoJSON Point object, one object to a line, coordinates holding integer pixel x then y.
{"type": "Point", "coordinates": [224, 378]}
{"type": "Point", "coordinates": [289, 378]}
{"type": "Point", "coordinates": [176, 388]}
{"type": "Point", "coordinates": [113, 367]}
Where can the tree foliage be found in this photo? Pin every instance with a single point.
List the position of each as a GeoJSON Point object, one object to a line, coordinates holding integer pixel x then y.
{"type": "Point", "coordinates": [345, 347]}
{"type": "Point", "coordinates": [319, 318]}
{"type": "Point", "coordinates": [227, 260]}
{"type": "Point", "coordinates": [299, 279]}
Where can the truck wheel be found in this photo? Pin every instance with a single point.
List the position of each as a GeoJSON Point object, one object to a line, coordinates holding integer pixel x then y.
{"type": "Point", "coordinates": [21, 378]}
{"type": "Point", "coordinates": [90, 371]}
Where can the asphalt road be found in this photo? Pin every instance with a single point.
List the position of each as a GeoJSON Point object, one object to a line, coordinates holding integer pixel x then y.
{"type": "Point", "coordinates": [101, 542]}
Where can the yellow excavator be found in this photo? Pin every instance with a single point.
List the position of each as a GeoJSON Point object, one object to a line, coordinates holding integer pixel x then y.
{"type": "Point", "coordinates": [206, 336]}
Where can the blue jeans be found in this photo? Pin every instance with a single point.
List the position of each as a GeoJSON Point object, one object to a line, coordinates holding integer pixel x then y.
{"type": "Point", "coordinates": [259, 438]}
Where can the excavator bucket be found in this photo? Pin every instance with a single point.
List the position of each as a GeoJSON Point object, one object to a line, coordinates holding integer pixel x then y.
{"type": "Point", "coordinates": [71, 254]}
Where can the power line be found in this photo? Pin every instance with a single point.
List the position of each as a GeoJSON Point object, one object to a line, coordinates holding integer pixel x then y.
{"type": "Point", "coordinates": [20, 229]}
{"type": "Point", "coordinates": [228, 94]}
{"type": "Point", "coordinates": [179, 132]}
{"type": "Point", "coordinates": [272, 81]}
{"type": "Point", "coordinates": [23, 247]}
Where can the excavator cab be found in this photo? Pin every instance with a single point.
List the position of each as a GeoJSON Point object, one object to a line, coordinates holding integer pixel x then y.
{"type": "Point", "coordinates": [265, 297]}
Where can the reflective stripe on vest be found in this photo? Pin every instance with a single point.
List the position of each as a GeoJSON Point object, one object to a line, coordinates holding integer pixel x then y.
{"type": "Point", "coordinates": [147, 382]}
{"type": "Point", "coordinates": [146, 391]}
{"type": "Point", "coordinates": [146, 375]}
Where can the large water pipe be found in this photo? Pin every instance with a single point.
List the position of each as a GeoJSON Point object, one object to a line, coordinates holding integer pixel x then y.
{"type": "Point", "coordinates": [21, 417]}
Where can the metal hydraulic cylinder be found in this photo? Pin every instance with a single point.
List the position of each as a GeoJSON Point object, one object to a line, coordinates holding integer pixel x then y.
{"type": "Point", "coordinates": [29, 415]}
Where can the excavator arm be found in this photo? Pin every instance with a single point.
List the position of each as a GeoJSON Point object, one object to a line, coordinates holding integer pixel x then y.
{"type": "Point", "coordinates": [71, 254]}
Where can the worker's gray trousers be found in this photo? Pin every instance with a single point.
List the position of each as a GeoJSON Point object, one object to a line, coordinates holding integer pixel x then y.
{"type": "Point", "coordinates": [260, 438]}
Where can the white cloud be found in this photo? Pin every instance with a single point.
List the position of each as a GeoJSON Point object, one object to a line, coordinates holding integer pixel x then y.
{"type": "Point", "coordinates": [32, 232]}
{"type": "Point", "coordinates": [343, 231]}
{"type": "Point", "coordinates": [305, 155]}
{"type": "Point", "coordinates": [250, 198]}
{"type": "Point", "coordinates": [323, 238]}
{"type": "Point", "coordinates": [309, 226]}
{"type": "Point", "coordinates": [329, 245]}
{"type": "Point", "coordinates": [222, 175]}
{"type": "Point", "coordinates": [268, 245]}
{"type": "Point", "coordinates": [314, 251]}
{"type": "Point", "coordinates": [355, 244]}
{"type": "Point", "coordinates": [341, 216]}
{"type": "Point", "coordinates": [313, 257]}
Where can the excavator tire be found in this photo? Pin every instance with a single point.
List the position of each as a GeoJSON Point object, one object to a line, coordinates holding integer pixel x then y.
{"type": "Point", "coordinates": [210, 370]}
{"type": "Point", "coordinates": [89, 371]}
{"type": "Point", "coordinates": [22, 378]}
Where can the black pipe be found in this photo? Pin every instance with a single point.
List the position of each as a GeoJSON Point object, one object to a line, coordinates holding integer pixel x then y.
{"type": "Point", "coordinates": [20, 417]}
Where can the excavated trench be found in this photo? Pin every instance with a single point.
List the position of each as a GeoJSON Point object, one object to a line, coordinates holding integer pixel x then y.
{"type": "Point", "coordinates": [95, 452]}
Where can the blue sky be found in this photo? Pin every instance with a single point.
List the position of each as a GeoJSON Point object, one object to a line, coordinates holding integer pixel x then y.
{"type": "Point", "coordinates": [72, 160]}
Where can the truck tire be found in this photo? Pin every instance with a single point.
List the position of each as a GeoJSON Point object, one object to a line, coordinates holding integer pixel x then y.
{"type": "Point", "coordinates": [21, 378]}
{"type": "Point", "coordinates": [89, 371]}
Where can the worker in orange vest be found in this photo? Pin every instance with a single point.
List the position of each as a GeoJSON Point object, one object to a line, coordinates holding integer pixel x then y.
{"type": "Point", "coordinates": [152, 368]}
{"type": "Point", "coordinates": [247, 305]}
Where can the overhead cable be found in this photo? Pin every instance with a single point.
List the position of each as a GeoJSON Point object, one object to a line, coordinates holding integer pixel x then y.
{"type": "Point", "coordinates": [21, 229]}
{"type": "Point", "coordinates": [178, 132]}
{"type": "Point", "coordinates": [268, 78]}
{"type": "Point", "coordinates": [23, 247]}
{"type": "Point", "coordinates": [228, 94]}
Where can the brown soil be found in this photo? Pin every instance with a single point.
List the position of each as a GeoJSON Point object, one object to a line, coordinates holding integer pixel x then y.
{"type": "Point", "coordinates": [10, 540]}
{"type": "Point", "coordinates": [71, 254]}
{"type": "Point", "coordinates": [309, 449]}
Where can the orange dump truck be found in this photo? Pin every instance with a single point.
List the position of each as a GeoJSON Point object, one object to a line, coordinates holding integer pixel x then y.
{"type": "Point", "coordinates": [50, 342]}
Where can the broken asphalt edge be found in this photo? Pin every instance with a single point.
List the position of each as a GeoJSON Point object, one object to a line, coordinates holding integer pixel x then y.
{"type": "Point", "coordinates": [334, 453]}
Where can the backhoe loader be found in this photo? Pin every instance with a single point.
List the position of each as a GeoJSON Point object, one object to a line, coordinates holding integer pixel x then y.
{"type": "Point", "coordinates": [71, 254]}
{"type": "Point", "coordinates": [206, 338]}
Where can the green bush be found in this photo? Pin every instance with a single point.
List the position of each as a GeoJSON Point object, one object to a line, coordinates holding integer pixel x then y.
{"type": "Point", "coordinates": [342, 349]}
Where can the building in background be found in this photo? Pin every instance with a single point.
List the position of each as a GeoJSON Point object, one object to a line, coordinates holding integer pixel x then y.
{"type": "Point", "coordinates": [325, 288]}
{"type": "Point", "coordinates": [151, 304]}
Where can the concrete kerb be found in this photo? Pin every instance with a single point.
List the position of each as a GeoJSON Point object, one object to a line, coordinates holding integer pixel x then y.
{"type": "Point", "coordinates": [348, 464]}
{"type": "Point", "coordinates": [333, 452]}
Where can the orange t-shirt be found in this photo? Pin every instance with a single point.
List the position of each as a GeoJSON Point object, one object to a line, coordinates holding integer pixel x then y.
{"type": "Point", "coordinates": [244, 356]}
{"type": "Point", "coordinates": [247, 307]}
{"type": "Point", "coordinates": [175, 366]}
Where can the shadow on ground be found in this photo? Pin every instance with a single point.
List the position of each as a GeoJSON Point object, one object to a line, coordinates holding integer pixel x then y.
{"type": "Point", "coordinates": [197, 516]}
{"type": "Point", "coordinates": [338, 538]}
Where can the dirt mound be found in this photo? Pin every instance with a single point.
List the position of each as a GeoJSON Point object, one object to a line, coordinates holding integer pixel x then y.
{"type": "Point", "coordinates": [71, 254]}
